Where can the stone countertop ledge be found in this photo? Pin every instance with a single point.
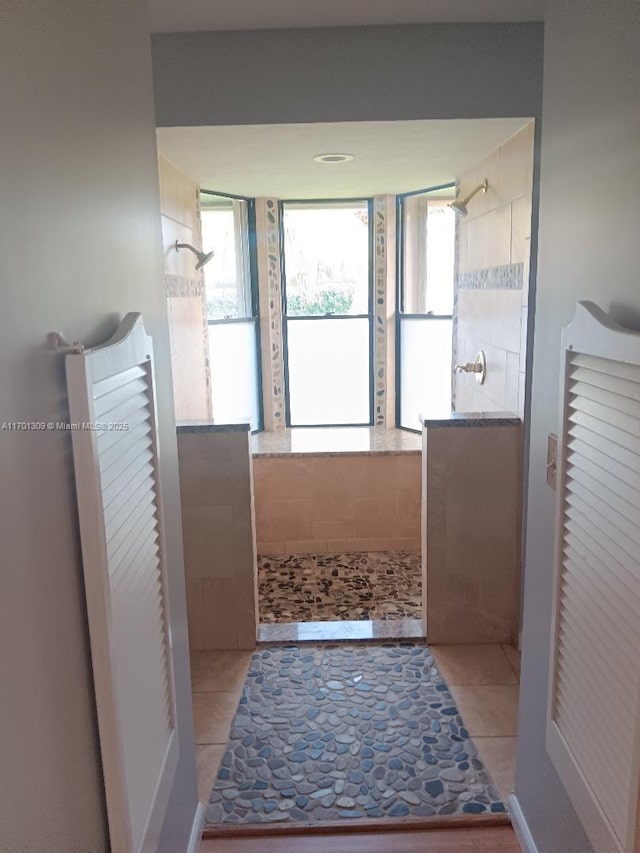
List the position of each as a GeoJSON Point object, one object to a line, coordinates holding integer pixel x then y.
{"type": "Point", "coordinates": [470, 419]}
{"type": "Point", "coordinates": [196, 426]}
{"type": "Point", "coordinates": [335, 441]}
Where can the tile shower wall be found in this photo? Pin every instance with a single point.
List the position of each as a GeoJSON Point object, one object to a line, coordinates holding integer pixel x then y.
{"type": "Point", "coordinates": [219, 541]}
{"type": "Point", "coordinates": [349, 502]}
{"type": "Point", "coordinates": [492, 282]}
{"type": "Point", "coordinates": [186, 304]}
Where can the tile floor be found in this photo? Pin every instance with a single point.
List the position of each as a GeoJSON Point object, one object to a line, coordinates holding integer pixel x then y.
{"type": "Point", "coordinates": [374, 585]}
{"type": "Point", "coordinates": [483, 680]}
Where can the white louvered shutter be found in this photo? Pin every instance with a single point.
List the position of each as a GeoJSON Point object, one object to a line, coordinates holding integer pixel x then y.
{"type": "Point", "coordinates": [111, 403]}
{"type": "Point", "coordinates": [593, 727]}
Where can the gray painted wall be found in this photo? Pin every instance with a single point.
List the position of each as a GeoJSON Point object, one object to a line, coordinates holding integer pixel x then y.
{"type": "Point", "coordinates": [348, 74]}
{"type": "Point", "coordinates": [79, 246]}
{"type": "Point", "coordinates": [588, 249]}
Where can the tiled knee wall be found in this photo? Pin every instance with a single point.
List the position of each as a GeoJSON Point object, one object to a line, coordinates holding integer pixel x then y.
{"type": "Point", "coordinates": [349, 502]}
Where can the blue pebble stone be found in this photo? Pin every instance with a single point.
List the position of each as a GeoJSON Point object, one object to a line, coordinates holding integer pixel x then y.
{"type": "Point", "coordinates": [464, 733]}
{"type": "Point", "coordinates": [435, 725]}
{"type": "Point", "coordinates": [342, 748]}
{"type": "Point", "coordinates": [247, 740]}
{"type": "Point", "coordinates": [375, 812]}
{"type": "Point", "coordinates": [356, 776]}
{"type": "Point", "coordinates": [367, 764]}
{"type": "Point", "coordinates": [382, 747]}
{"type": "Point", "coordinates": [270, 805]}
{"type": "Point", "coordinates": [430, 759]}
{"type": "Point", "coordinates": [223, 773]}
{"type": "Point", "coordinates": [464, 765]}
{"type": "Point", "coordinates": [474, 808]}
{"type": "Point", "coordinates": [429, 739]}
{"type": "Point", "coordinates": [288, 792]}
{"type": "Point", "coordinates": [265, 752]}
{"type": "Point", "coordinates": [298, 757]}
{"type": "Point", "coordinates": [260, 785]}
{"type": "Point", "coordinates": [367, 752]}
{"type": "Point", "coordinates": [497, 807]}
{"type": "Point", "coordinates": [227, 806]}
{"type": "Point", "coordinates": [380, 726]}
{"type": "Point", "coordinates": [301, 802]}
{"type": "Point", "coordinates": [316, 753]}
{"type": "Point", "coordinates": [395, 764]}
{"type": "Point", "coordinates": [353, 713]}
{"type": "Point", "coordinates": [441, 688]}
{"type": "Point", "coordinates": [449, 711]}
{"type": "Point", "coordinates": [399, 810]}
{"type": "Point", "coordinates": [434, 787]}
{"type": "Point", "coordinates": [256, 804]}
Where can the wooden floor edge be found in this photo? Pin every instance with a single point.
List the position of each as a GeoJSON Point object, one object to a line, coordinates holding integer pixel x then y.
{"type": "Point", "coordinates": [261, 830]}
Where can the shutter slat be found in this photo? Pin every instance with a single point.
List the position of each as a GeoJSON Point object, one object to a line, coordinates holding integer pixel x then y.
{"type": "Point", "coordinates": [594, 698]}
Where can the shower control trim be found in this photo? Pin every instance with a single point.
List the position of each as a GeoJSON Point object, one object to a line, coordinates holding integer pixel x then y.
{"type": "Point", "coordinates": [478, 367]}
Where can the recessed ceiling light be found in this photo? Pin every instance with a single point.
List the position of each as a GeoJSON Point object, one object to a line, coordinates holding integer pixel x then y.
{"type": "Point", "coordinates": [333, 158]}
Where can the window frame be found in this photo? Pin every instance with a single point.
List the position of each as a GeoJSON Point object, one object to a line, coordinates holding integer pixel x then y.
{"type": "Point", "coordinates": [254, 317]}
{"type": "Point", "coordinates": [400, 313]}
{"type": "Point", "coordinates": [316, 317]}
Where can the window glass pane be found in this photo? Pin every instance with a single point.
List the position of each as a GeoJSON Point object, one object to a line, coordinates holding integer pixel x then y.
{"type": "Point", "coordinates": [328, 362]}
{"type": "Point", "coordinates": [225, 231]}
{"type": "Point", "coordinates": [326, 254]}
{"type": "Point", "coordinates": [428, 227]}
{"type": "Point", "coordinates": [234, 373]}
{"type": "Point", "coordinates": [425, 369]}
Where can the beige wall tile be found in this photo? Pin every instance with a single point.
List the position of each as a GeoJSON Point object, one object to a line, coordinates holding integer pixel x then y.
{"type": "Point", "coordinates": [284, 520]}
{"type": "Point", "coordinates": [306, 546]}
{"type": "Point", "coordinates": [516, 163]}
{"type": "Point", "coordinates": [335, 529]}
{"type": "Point", "coordinates": [520, 229]}
{"type": "Point", "coordinates": [208, 541]}
{"type": "Point", "coordinates": [271, 548]}
{"type": "Point", "coordinates": [283, 477]}
{"type": "Point", "coordinates": [376, 517]}
{"type": "Point", "coordinates": [489, 239]}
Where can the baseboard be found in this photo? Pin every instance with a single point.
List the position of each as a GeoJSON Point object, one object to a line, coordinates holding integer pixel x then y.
{"type": "Point", "coordinates": [196, 830]}
{"type": "Point", "coordinates": [520, 826]}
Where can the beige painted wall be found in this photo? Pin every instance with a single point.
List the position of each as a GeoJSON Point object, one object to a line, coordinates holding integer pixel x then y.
{"type": "Point", "coordinates": [216, 487]}
{"type": "Point", "coordinates": [186, 300]}
{"type": "Point", "coordinates": [324, 503]}
{"type": "Point", "coordinates": [496, 232]}
{"type": "Point", "coordinates": [80, 245]}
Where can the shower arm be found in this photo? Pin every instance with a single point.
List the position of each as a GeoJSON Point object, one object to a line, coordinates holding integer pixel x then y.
{"type": "Point", "coordinates": [480, 188]}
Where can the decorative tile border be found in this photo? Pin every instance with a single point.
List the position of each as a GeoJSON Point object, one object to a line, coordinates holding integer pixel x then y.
{"type": "Point", "coordinates": [380, 309]}
{"type": "Point", "coordinates": [176, 286]}
{"type": "Point", "coordinates": [270, 287]}
{"type": "Point", "coordinates": [507, 277]}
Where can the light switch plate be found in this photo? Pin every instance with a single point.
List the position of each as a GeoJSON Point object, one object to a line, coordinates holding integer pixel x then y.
{"type": "Point", "coordinates": [552, 460]}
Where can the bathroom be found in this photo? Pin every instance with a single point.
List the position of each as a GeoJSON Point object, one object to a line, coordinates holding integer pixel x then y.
{"type": "Point", "coordinates": [337, 497]}
{"type": "Point", "coordinates": [390, 510]}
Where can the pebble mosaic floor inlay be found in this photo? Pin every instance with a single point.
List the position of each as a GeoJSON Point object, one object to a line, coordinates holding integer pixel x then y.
{"type": "Point", "coordinates": [354, 586]}
{"type": "Point", "coordinates": [333, 732]}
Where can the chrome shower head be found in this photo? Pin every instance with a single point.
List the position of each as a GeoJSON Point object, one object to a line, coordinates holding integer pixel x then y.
{"type": "Point", "coordinates": [459, 207]}
{"type": "Point", "coordinates": [203, 257]}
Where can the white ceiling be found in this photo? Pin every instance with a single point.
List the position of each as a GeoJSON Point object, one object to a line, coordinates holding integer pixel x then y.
{"type": "Point", "coordinates": [192, 15]}
{"type": "Point", "coordinates": [276, 160]}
